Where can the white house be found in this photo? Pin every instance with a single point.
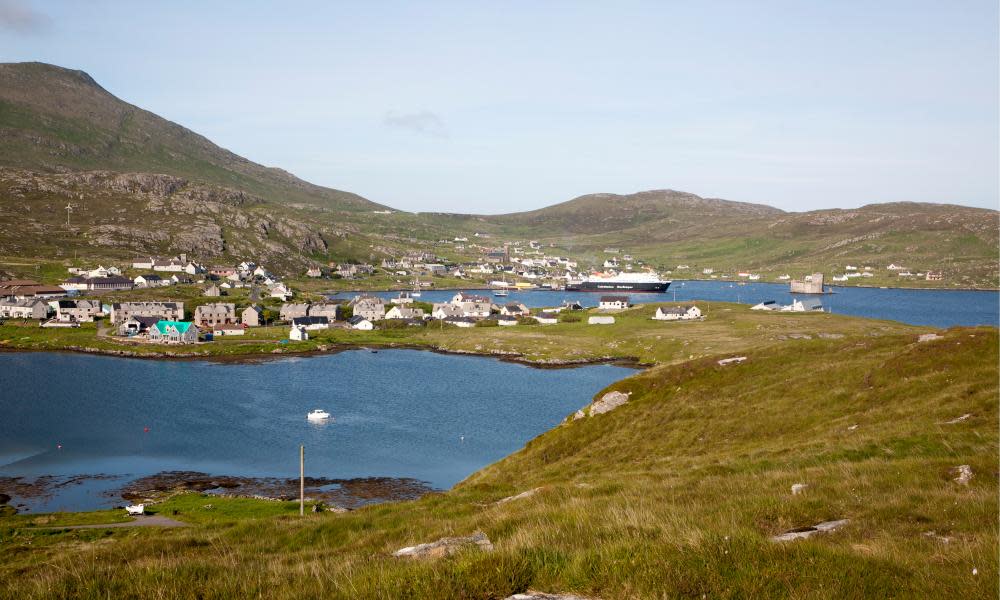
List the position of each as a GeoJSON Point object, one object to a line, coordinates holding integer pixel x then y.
{"type": "Point", "coordinates": [461, 321]}
{"type": "Point", "coordinates": [298, 333]}
{"type": "Point", "coordinates": [547, 318]}
{"type": "Point", "coordinates": [601, 320]}
{"type": "Point", "coordinates": [677, 313]}
{"type": "Point", "coordinates": [360, 323]}
{"type": "Point", "coordinates": [443, 310]}
{"type": "Point", "coordinates": [506, 321]}
{"type": "Point", "coordinates": [404, 312]}
{"type": "Point", "coordinates": [765, 305]}
{"type": "Point", "coordinates": [613, 303]}
{"type": "Point", "coordinates": [311, 323]}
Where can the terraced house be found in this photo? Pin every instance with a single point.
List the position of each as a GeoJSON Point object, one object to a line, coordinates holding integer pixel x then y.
{"type": "Point", "coordinates": [213, 315]}
{"type": "Point", "coordinates": [168, 311]}
{"type": "Point", "coordinates": [79, 311]}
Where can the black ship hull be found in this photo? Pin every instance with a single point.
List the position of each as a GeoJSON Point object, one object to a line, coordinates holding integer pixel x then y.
{"type": "Point", "coordinates": [618, 286]}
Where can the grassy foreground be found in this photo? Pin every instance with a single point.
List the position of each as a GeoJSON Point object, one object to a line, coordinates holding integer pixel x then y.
{"type": "Point", "coordinates": [674, 494]}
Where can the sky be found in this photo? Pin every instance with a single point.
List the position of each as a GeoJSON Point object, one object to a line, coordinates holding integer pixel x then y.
{"type": "Point", "coordinates": [496, 107]}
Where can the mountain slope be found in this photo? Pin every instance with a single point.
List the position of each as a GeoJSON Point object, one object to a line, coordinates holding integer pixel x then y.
{"type": "Point", "coordinates": [604, 213]}
{"type": "Point", "coordinates": [53, 119]}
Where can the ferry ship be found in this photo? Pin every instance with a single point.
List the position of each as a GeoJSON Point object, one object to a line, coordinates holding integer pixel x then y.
{"type": "Point", "coordinates": [622, 282]}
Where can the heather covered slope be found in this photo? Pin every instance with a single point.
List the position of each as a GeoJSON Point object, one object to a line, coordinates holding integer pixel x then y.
{"type": "Point", "coordinates": [674, 494]}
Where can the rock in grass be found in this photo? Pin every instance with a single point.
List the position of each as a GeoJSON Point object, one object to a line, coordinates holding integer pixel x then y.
{"type": "Point", "coordinates": [798, 488]}
{"type": "Point", "coordinates": [963, 474]}
{"type": "Point", "coordinates": [520, 496]}
{"type": "Point", "coordinates": [806, 532]}
{"type": "Point", "coordinates": [928, 337]}
{"type": "Point", "coordinates": [529, 595]}
{"type": "Point", "coordinates": [608, 402]}
{"type": "Point", "coordinates": [446, 546]}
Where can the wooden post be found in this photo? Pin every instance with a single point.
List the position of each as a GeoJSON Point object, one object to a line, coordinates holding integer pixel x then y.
{"type": "Point", "coordinates": [302, 481]}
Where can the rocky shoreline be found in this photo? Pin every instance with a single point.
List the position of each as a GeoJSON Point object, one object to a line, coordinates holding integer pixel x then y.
{"type": "Point", "coordinates": [18, 493]}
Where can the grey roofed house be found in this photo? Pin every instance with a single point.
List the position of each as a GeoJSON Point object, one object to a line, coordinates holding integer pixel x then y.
{"type": "Point", "coordinates": [612, 299]}
{"type": "Point", "coordinates": [461, 321]}
{"type": "Point", "coordinates": [291, 310]}
{"type": "Point", "coordinates": [326, 309]}
{"type": "Point", "coordinates": [356, 319]}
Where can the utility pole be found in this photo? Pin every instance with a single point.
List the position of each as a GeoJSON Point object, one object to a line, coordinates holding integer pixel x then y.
{"type": "Point", "coordinates": [302, 481]}
{"type": "Point", "coordinates": [69, 209]}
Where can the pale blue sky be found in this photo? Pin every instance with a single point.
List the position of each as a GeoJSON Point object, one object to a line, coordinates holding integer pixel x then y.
{"type": "Point", "coordinates": [505, 106]}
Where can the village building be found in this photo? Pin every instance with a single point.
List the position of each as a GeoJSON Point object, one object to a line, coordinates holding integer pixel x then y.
{"type": "Point", "coordinates": [167, 311]}
{"type": "Point", "coordinates": [77, 284]}
{"type": "Point", "coordinates": [369, 307]}
{"type": "Point", "coordinates": [24, 309]}
{"type": "Point", "coordinates": [765, 305]}
{"type": "Point", "coordinates": [149, 280]}
{"type": "Point", "coordinates": [224, 330]}
{"type": "Point", "coordinates": [600, 320]}
{"type": "Point", "coordinates": [252, 316]}
{"type": "Point", "coordinates": [173, 332]}
{"type": "Point", "coordinates": [514, 309]}
{"type": "Point", "coordinates": [463, 322]}
{"type": "Point", "coordinates": [329, 310]}
{"type": "Point", "coordinates": [145, 262]}
{"type": "Point", "coordinates": [404, 312]}
{"type": "Point", "coordinates": [290, 311]}
{"type": "Point", "coordinates": [314, 272]}
{"type": "Point", "coordinates": [109, 283]}
{"type": "Point", "coordinates": [221, 271]}
{"type": "Point", "coordinates": [547, 318]}
{"type": "Point", "coordinates": [613, 303]}
{"type": "Point", "coordinates": [298, 333]}
{"type": "Point", "coordinates": [212, 291]}
{"type": "Point", "coordinates": [213, 315]}
{"type": "Point", "coordinates": [934, 276]}
{"type": "Point", "coordinates": [137, 325]}
{"type": "Point", "coordinates": [506, 320]}
{"type": "Point", "coordinates": [444, 310]}
{"type": "Point", "coordinates": [403, 298]}
{"type": "Point", "coordinates": [311, 323]}
{"type": "Point", "coordinates": [677, 313]}
{"type": "Point", "coordinates": [21, 289]}
{"type": "Point", "coordinates": [77, 311]}
{"type": "Point", "coordinates": [360, 323]}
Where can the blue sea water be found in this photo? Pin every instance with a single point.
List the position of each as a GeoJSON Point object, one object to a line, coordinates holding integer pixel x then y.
{"type": "Point", "coordinates": [397, 413]}
{"type": "Point", "coordinates": [936, 308]}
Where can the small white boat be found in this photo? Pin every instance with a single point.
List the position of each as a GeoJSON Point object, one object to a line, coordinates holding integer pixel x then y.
{"type": "Point", "coordinates": [318, 415]}
{"type": "Point", "coordinates": [500, 293]}
{"type": "Point", "coordinates": [136, 509]}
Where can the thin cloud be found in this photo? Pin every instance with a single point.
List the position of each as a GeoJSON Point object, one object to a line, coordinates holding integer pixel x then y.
{"type": "Point", "coordinates": [424, 122]}
{"type": "Point", "coordinates": [19, 16]}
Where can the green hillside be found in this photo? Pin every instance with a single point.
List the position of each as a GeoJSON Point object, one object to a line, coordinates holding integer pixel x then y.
{"type": "Point", "coordinates": [677, 493]}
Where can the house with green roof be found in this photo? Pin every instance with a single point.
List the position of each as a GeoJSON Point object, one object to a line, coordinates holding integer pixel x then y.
{"type": "Point", "coordinates": [174, 332]}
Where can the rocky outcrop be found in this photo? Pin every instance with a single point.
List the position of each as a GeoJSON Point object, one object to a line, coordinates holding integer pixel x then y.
{"type": "Point", "coordinates": [963, 474]}
{"type": "Point", "coordinates": [520, 496]}
{"type": "Point", "coordinates": [446, 547]}
{"type": "Point", "coordinates": [807, 532]}
{"type": "Point", "coordinates": [606, 403]}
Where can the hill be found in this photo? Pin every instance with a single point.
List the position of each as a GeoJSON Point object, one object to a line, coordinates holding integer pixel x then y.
{"type": "Point", "coordinates": [139, 184]}
{"type": "Point", "coordinates": [54, 119]}
{"type": "Point", "coordinates": [676, 493]}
